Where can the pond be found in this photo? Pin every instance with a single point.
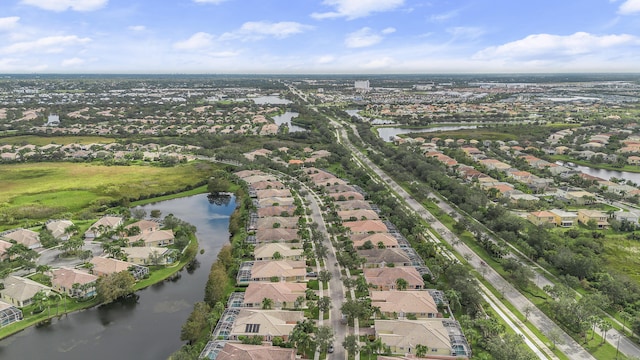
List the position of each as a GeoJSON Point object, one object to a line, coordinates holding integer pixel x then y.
{"type": "Point", "coordinates": [389, 133]}
{"type": "Point", "coordinates": [286, 119]}
{"type": "Point", "coordinates": [144, 328]}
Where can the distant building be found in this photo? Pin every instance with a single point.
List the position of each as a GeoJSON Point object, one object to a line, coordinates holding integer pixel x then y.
{"type": "Point", "coordinates": [362, 85]}
{"type": "Point", "coordinates": [53, 120]}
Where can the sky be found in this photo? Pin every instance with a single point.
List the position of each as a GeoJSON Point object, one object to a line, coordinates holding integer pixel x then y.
{"type": "Point", "coordinates": [319, 36]}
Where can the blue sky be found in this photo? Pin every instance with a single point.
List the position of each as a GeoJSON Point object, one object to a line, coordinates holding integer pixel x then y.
{"type": "Point", "coordinates": [319, 36]}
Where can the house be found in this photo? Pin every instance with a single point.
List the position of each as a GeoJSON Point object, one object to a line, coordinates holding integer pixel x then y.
{"type": "Point", "coordinates": [150, 255]}
{"type": "Point", "coordinates": [633, 160]}
{"type": "Point", "coordinates": [103, 225]}
{"type": "Point", "coordinates": [154, 239]}
{"type": "Point", "coordinates": [20, 291]}
{"type": "Point", "coordinates": [276, 235]}
{"type": "Point", "coordinates": [268, 193]}
{"type": "Point", "coordinates": [586, 215]}
{"type": "Point", "coordinates": [353, 205]}
{"type": "Point", "coordinates": [64, 279]}
{"type": "Point", "coordinates": [276, 211]}
{"type": "Point", "coordinates": [283, 294]}
{"type": "Point", "coordinates": [347, 195]}
{"type": "Point", "coordinates": [402, 336]}
{"type": "Point", "coordinates": [262, 185]}
{"type": "Point", "coordinates": [238, 351]}
{"type": "Point", "coordinates": [9, 314]}
{"type": "Point", "coordinates": [275, 201]}
{"type": "Point", "coordinates": [4, 246]}
{"type": "Point", "coordinates": [145, 226]}
{"type": "Point", "coordinates": [403, 304]}
{"type": "Point", "coordinates": [384, 257]}
{"type": "Point", "coordinates": [267, 251]}
{"type": "Point", "coordinates": [378, 240]}
{"type": "Point", "coordinates": [340, 188]}
{"type": "Point", "coordinates": [58, 229]}
{"type": "Point", "coordinates": [353, 215]}
{"type": "Point", "coordinates": [580, 197]}
{"type": "Point", "coordinates": [265, 323]}
{"type": "Point", "coordinates": [277, 222]}
{"type": "Point", "coordinates": [280, 270]}
{"type": "Point", "coordinates": [630, 216]}
{"type": "Point", "coordinates": [105, 266]}
{"type": "Point", "coordinates": [564, 218]}
{"type": "Point", "coordinates": [542, 218]}
{"type": "Point", "coordinates": [365, 226]}
{"type": "Point", "coordinates": [385, 278]}
{"type": "Point", "coordinates": [26, 237]}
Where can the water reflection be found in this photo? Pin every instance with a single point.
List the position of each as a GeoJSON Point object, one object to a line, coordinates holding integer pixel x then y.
{"type": "Point", "coordinates": [146, 326]}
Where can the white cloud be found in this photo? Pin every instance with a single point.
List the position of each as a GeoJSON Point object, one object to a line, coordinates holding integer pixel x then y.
{"type": "Point", "coordinates": [255, 30]}
{"type": "Point", "coordinates": [353, 9]}
{"type": "Point", "coordinates": [197, 41]}
{"type": "Point", "coordinates": [325, 59]}
{"type": "Point", "coordinates": [466, 32]}
{"type": "Point", "coordinates": [444, 16]}
{"type": "Point", "coordinates": [49, 44]}
{"type": "Point", "coordinates": [63, 5]}
{"type": "Point", "coordinates": [379, 63]}
{"type": "Point", "coordinates": [362, 38]}
{"type": "Point", "coordinates": [72, 62]}
{"type": "Point", "coordinates": [7, 23]}
{"type": "Point", "coordinates": [137, 28]}
{"type": "Point", "coordinates": [389, 30]}
{"type": "Point", "coordinates": [209, 1]}
{"type": "Point", "coordinates": [551, 46]}
{"type": "Point", "coordinates": [629, 7]}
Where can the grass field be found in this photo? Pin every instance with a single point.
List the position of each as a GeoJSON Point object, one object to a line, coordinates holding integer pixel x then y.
{"type": "Point", "coordinates": [41, 190]}
{"type": "Point", "coordinates": [61, 140]}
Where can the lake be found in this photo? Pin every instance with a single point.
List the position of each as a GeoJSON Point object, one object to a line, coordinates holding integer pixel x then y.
{"type": "Point", "coordinates": [148, 328]}
{"type": "Point", "coordinates": [286, 119]}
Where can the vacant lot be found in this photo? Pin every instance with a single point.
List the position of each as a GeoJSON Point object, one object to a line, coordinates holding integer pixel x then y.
{"type": "Point", "coordinates": [60, 140]}
{"type": "Point", "coordinates": [42, 190]}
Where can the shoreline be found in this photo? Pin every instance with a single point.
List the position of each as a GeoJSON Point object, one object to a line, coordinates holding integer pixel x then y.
{"type": "Point", "coordinates": [162, 275]}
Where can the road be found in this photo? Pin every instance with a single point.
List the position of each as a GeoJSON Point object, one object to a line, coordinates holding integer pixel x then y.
{"type": "Point", "coordinates": [571, 348]}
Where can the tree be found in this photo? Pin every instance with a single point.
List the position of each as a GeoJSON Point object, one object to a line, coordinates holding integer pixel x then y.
{"type": "Point", "coordinates": [40, 299]}
{"type": "Point", "coordinates": [323, 337]}
{"type": "Point", "coordinates": [299, 302]}
{"type": "Point", "coordinates": [216, 284]}
{"type": "Point", "coordinates": [453, 297]}
{"type": "Point", "coordinates": [196, 323]}
{"type": "Point", "coordinates": [138, 213]}
{"type": "Point", "coordinates": [421, 350]}
{"type": "Point", "coordinates": [267, 303]}
{"type": "Point", "coordinates": [113, 286]}
{"type": "Point", "coordinates": [509, 347]}
{"type": "Point", "coordinates": [401, 284]}
{"type": "Point", "coordinates": [351, 344]}
{"type": "Point", "coordinates": [555, 336]}
{"type": "Point", "coordinates": [605, 326]}
{"type": "Point", "coordinates": [527, 311]}
{"type": "Point", "coordinates": [626, 317]}
{"type": "Point", "coordinates": [277, 256]}
{"type": "Point", "coordinates": [324, 303]}
{"type": "Point", "coordinates": [324, 275]}
{"type": "Point", "coordinates": [156, 213]}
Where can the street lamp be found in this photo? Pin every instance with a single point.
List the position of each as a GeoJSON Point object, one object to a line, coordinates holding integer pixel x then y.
{"type": "Point", "coordinates": [618, 346]}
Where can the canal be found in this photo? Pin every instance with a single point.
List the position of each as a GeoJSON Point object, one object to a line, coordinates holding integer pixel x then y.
{"type": "Point", "coordinates": [148, 328]}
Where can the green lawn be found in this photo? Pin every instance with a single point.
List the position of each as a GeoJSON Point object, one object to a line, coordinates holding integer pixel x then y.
{"type": "Point", "coordinates": [38, 191]}
{"type": "Point", "coordinates": [60, 140]}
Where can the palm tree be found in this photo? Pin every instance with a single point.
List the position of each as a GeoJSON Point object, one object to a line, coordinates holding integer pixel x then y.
{"type": "Point", "coordinates": [453, 297]}
{"type": "Point", "coordinates": [299, 302]}
{"type": "Point", "coordinates": [267, 303]}
{"type": "Point", "coordinates": [401, 284]}
{"type": "Point", "coordinates": [604, 326]}
{"type": "Point", "coordinates": [421, 350]}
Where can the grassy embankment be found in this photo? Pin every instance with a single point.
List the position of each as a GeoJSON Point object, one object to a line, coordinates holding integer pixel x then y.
{"type": "Point", "coordinates": [50, 177]}
{"type": "Point", "coordinates": [35, 192]}
{"type": "Point", "coordinates": [60, 140]}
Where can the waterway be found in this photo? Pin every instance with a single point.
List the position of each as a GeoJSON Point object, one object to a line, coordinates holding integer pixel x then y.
{"type": "Point", "coordinates": [148, 328]}
{"type": "Point", "coordinates": [389, 133]}
{"type": "Point", "coordinates": [608, 174]}
{"type": "Point", "coordinates": [286, 119]}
